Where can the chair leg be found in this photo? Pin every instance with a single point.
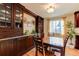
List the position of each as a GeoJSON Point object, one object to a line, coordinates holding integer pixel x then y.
{"type": "Point", "coordinates": [43, 52]}
{"type": "Point", "coordinates": [62, 52]}
{"type": "Point", "coordinates": [36, 52]}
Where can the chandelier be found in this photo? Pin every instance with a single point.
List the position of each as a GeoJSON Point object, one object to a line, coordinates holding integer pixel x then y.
{"type": "Point", "coordinates": [50, 9]}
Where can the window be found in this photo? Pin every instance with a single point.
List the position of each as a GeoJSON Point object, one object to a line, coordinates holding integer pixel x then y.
{"type": "Point", "coordinates": [57, 26]}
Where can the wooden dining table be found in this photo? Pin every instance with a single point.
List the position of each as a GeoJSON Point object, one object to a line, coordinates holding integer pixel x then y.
{"type": "Point", "coordinates": [51, 42]}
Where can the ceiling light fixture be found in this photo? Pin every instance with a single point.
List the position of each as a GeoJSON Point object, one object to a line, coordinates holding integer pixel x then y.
{"type": "Point", "coordinates": [50, 9]}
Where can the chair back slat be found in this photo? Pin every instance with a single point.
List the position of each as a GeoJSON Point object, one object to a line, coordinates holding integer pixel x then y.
{"type": "Point", "coordinates": [39, 44]}
{"type": "Point", "coordinates": [66, 40]}
{"type": "Point", "coordinates": [62, 51]}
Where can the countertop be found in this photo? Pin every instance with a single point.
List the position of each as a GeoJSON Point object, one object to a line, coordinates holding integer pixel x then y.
{"type": "Point", "coordinates": [16, 37]}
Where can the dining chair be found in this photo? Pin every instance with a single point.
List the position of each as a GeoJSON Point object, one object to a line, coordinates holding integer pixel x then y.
{"type": "Point", "coordinates": [61, 51]}
{"type": "Point", "coordinates": [39, 46]}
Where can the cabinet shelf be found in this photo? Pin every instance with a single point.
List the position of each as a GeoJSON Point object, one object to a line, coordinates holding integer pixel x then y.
{"type": "Point", "coordinates": [2, 20]}
{"type": "Point", "coordinates": [2, 14]}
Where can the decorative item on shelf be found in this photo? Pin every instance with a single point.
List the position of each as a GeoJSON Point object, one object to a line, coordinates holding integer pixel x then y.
{"type": "Point", "coordinates": [26, 32]}
{"type": "Point", "coordinates": [70, 31]}
{"type": "Point", "coordinates": [3, 11]}
{"type": "Point", "coordinates": [33, 32]}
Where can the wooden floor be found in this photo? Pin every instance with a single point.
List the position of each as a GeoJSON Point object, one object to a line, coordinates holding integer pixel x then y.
{"type": "Point", "coordinates": [69, 52]}
{"type": "Point", "coordinates": [31, 53]}
{"type": "Point", "coordinates": [72, 52]}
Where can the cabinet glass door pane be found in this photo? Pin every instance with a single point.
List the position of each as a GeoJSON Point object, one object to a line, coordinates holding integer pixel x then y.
{"type": "Point", "coordinates": [5, 14]}
{"type": "Point", "coordinates": [18, 20]}
{"type": "Point", "coordinates": [8, 14]}
{"type": "Point", "coordinates": [2, 15]}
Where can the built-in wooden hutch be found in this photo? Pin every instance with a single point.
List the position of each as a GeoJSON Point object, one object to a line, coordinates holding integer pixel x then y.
{"type": "Point", "coordinates": [11, 25]}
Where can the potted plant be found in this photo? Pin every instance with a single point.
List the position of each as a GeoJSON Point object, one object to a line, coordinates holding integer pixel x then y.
{"type": "Point", "coordinates": [70, 31]}
{"type": "Point", "coordinates": [26, 32]}
{"type": "Point", "coordinates": [33, 32]}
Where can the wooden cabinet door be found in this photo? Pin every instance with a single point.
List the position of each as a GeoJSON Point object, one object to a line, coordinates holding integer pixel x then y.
{"type": "Point", "coordinates": [8, 48]}
{"type": "Point", "coordinates": [77, 42]}
{"type": "Point", "coordinates": [77, 19]}
{"type": "Point", "coordinates": [18, 16]}
{"type": "Point", "coordinates": [5, 15]}
{"type": "Point", "coordinates": [29, 42]}
{"type": "Point", "coordinates": [39, 24]}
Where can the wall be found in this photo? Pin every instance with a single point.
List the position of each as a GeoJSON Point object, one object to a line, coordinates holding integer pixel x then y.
{"type": "Point", "coordinates": [46, 27]}
{"type": "Point", "coordinates": [70, 17]}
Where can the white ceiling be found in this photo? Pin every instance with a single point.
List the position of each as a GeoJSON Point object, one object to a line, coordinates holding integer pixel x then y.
{"type": "Point", "coordinates": [60, 8]}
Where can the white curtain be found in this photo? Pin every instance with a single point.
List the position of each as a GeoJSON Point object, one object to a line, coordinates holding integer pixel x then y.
{"type": "Point", "coordinates": [56, 26]}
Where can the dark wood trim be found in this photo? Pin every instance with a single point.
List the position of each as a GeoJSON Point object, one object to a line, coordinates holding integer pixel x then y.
{"type": "Point", "coordinates": [76, 12]}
